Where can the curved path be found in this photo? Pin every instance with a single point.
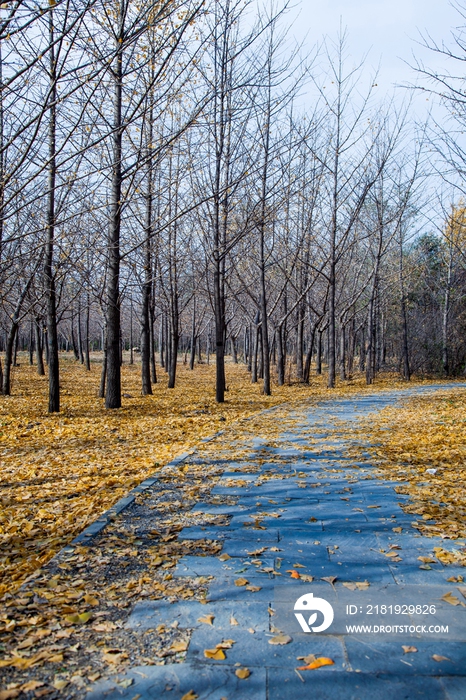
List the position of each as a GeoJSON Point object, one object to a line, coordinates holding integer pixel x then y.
{"type": "Point", "coordinates": [311, 510]}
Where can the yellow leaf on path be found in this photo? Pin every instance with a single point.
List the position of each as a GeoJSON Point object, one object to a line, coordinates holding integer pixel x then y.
{"type": "Point", "coordinates": [397, 529]}
{"type": "Point", "coordinates": [392, 553]}
{"type": "Point", "coordinates": [462, 590]}
{"type": "Point", "coordinates": [438, 657]}
{"type": "Point", "coordinates": [179, 646]}
{"type": "Point", "coordinates": [7, 694]}
{"type": "Point", "coordinates": [253, 589]}
{"type": "Point", "coordinates": [78, 618]}
{"type": "Point", "coordinates": [329, 579]}
{"type": "Point", "coordinates": [307, 578]}
{"type": "Point", "coordinates": [241, 582]}
{"type": "Point", "coordinates": [356, 585]}
{"type": "Point", "coordinates": [59, 684]}
{"type": "Point", "coordinates": [242, 673]}
{"type": "Point", "coordinates": [320, 661]}
{"type": "Point", "coordinates": [225, 644]}
{"type": "Point", "coordinates": [190, 696]}
{"type": "Point", "coordinates": [427, 560]}
{"type": "Point", "coordinates": [216, 654]}
{"type": "Point", "coordinates": [408, 649]}
{"type": "Point", "coordinates": [299, 566]}
{"type": "Point", "coordinates": [280, 640]}
{"type": "Point", "coordinates": [207, 619]}
{"type": "Point", "coordinates": [31, 685]}
{"type": "Point", "coordinates": [90, 599]}
{"type": "Point", "coordinates": [293, 573]}
{"type": "Point", "coordinates": [233, 621]}
{"type": "Point", "coordinates": [453, 600]}
{"type": "Point", "coordinates": [224, 557]}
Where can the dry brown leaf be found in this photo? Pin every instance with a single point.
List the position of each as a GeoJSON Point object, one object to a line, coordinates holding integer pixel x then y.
{"type": "Point", "coordinates": [179, 647]}
{"type": "Point", "coordinates": [207, 619]}
{"type": "Point", "coordinates": [453, 600]}
{"type": "Point", "coordinates": [233, 621]}
{"type": "Point", "coordinates": [438, 657]}
{"type": "Point", "coordinates": [191, 695]}
{"type": "Point", "coordinates": [224, 557]}
{"type": "Point", "coordinates": [408, 649]}
{"type": "Point", "coordinates": [242, 673]}
{"type": "Point", "coordinates": [241, 582]}
{"type": "Point", "coordinates": [293, 573]}
{"type": "Point", "coordinates": [307, 578]}
{"type": "Point", "coordinates": [280, 639]}
{"type": "Point", "coordinates": [320, 661]}
{"type": "Point", "coordinates": [253, 589]}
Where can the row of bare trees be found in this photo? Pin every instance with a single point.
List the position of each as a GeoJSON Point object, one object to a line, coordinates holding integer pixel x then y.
{"type": "Point", "coordinates": [162, 187]}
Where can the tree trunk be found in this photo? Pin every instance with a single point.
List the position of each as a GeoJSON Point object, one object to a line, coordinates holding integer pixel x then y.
{"type": "Point", "coordinates": [307, 364]}
{"type": "Point", "coordinates": [31, 343]}
{"type": "Point", "coordinates": [86, 337]}
{"type": "Point", "coordinates": [50, 292]}
{"type": "Point", "coordinates": [342, 351]}
{"type": "Point", "coordinates": [280, 356]}
{"type": "Point", "coordinates": [9, 351]}
{"type": "Point", "coordinates": [113, 335]}
{"type": "Point", "coordinates": [153, 368]}
{"type": "Point", "coordinates": [39, 349]}
{"type": "Point", "coordinates": [80, 338]}
{"type": "Point", "coordinates": [319, 353]}
{"type": "Point", "coordinates": [103, 374]}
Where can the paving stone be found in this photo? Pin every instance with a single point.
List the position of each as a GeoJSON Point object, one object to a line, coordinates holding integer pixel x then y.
{"type": "Point", "coordinates": [248, 614]}
{"type": "Point", "coordinates": [255, 650]}
{"type": "Point", "coordinates": [389, 658]}
{"type": "Point", "coordinates": [455, 687]}
{"type": "Point", "coordinates": [175, 680]}
{"type": "Point", "coordinates": [285, 684]}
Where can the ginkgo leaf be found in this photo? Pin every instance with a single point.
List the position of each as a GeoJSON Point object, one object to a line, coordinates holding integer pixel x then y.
{"type": "Point", "coordinates": [307, 578]}
{"type": "Point", "coordinates": [438, 657]}
{"type": "Point", "coordinates": [216, 654]}
{"type": "Point", "coordinates": [317, 663]}
{"type": "Point", "coordinates": [224, 557]}
{"type": "Point", "coordinates": [453, 600]}
{"type": "Point", "coordinates": [242, 673]}
{"type": "Point", "coordinates": [179, 646]}
{"type": "Point", "coordinates": [280, 639]}
{"type": "Point", "coordinates": [225, 644]}
{"type": "Point", "coordinates": [207, 619]}
{"type": "Point", "coordinates": [78, 618]}
{"type": "Point", "coordinates": [293, 573]}
{"type": "Point", "coordinates": [408, 649]}
{"type": "Point", "coordinates": [233, 621]}
{"type": "Point", "coordinates": [253, 589]}
{"type": "Point", "coordinates": [191, 695]}
{"type": "Point", "coordinates": [241, 582]}
{"type": "Point", "coordinates": [356, 585]}
{"type": "Point", "coordinates": [329, 579]}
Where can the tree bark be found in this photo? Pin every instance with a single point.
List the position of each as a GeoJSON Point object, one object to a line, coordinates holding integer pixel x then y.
{"type": "Point", "coordinates": [113, 339]}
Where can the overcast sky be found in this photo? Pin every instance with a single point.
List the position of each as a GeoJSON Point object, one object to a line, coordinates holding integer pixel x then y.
{"type": "Point", "coordinates": [387, 29]}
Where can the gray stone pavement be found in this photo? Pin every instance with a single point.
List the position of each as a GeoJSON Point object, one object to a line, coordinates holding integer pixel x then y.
{"type": "Point", "coordinates": [312, 510]}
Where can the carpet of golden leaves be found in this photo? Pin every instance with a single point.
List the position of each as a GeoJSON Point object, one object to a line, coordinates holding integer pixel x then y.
{"type": "Point", "coordinates": [423, 442]}
{"type": "Point", "coordinates": [59, 472]}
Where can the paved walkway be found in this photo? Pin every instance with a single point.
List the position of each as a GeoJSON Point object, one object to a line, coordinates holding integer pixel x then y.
{"type": "Point", "coordinates": [309, 509]}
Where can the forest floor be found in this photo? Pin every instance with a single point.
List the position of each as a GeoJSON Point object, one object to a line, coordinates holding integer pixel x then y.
{"type": "Point", "coordinates": [70, 626]}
